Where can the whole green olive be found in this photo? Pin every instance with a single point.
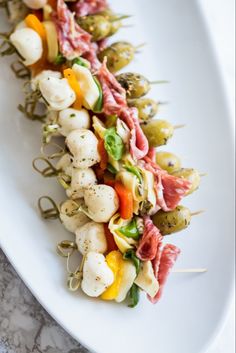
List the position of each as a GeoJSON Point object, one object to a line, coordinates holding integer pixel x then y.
{"type": "Point", "coordinates": [158, 132]}
{"type": "Point", "coordinates": [136, 85]}
{"type": "Point", "coordinates": [191, 175]}
{"type": "Point", "coordinates": [118, 55]}
{"type": "Point", "coordinates": [173, 221]}
{"type": "Point", "coordinates": [147, 108]}
{"type": "Point", "coordinates": [115, 20]}
{"type": "Point", "coordinates": [98, 26]}
{"type": "Point", "coordinates": [168, 161]}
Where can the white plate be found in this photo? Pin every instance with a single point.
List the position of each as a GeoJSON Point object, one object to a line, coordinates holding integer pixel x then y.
{"type": "Point", "coordinates": [193, 306]}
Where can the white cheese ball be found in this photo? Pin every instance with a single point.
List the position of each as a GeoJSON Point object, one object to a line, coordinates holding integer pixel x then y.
{"type": "Point", "coordinates": [128, 278]}
{"type": "Point", "coordinates": [91, 237]}
{"type": "Point", "coordinates": [70, 217]}
{"type": "Point", "coordinates": [73, 119]}
{"type": "Point", "coordinates": [102, 202]}
{"type": "Point", "coordinates": [81, 179]}
{"type": "Point", "coordinates": [44, 74]}
{"type": "Point", "coordinates": [57, 92]}
{"type": "Point", "coordinates": [83, 145]}
{"type": "Point", "coordinates": [97, 275]}
{"type": "Point", "coordinates": [65, 164]}
{"type": "Point", "coordinates": [20, 25]}
{"type": "Point", "coordinates": [35, 4]}
{"type": "Point", "coordinates": [29, 45]}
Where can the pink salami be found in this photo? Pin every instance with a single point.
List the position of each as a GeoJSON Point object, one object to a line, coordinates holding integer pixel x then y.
{"type": "Point", "coordinates": [91, 56]}
{"type": "Point", "coordinates": [150, 241]}
{"type": "Point", "coordinates": [167, 260]}
{"type": "Point", "coordinates": [89, 7]}
{"type": "Point", "coordinates": [73, 40]}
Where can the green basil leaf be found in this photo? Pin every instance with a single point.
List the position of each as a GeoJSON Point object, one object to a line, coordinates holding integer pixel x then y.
{"type": "Point", "coordinates": [135, 171]}
{"type": "Point", "coordinates": [134, 295]}
{"type": "Point", "coordinates": [130, 255]}
{"type": "Point", "coordinates": [99, 105]}
{"type": "Point", "coordinates": [114, 144]}
{"type": "Point", "coordinates": [60, 59]}
{"type": "Point", "coordinates": [80, 61]}
{"type": "Point", "coordinates": [131, 230]}
{"type": "Point", "coordinates": [111, 169]}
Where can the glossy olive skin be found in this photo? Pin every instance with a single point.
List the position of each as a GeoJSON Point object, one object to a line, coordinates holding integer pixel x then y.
{"type": "Point", "coordinates": [116, 24]}
{"type": "Point", "coordinates": [158, 132]}
{"type": "Point", "coordinates": [119, 55]}
{"type": "Point", "coordinates": [168, 161]}
{"type": "Point", "coordinates": [136, 85]}
{"type": "Point", "coordinates": [191, 175]}
{"type": "Point", "coordinates": [98, 26]}
{"type": "Point", "coordinates": [173, 221]}
{"type": "Point", "coordinates": [147, 108]}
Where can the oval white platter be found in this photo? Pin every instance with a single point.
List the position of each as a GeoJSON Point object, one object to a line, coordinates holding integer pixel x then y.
{"type": "Point", "coordinates": [193, 306]}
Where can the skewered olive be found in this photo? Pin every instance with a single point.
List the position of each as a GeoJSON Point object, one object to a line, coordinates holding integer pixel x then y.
{"type": "Point", "coordinates": [136, 85]}
{"type": "Point", "coordinates": [191, 175]}
{"type": "Point", "coordinates": [173, 221]}
{"type": "Point", "coordinates": [158, 132]}
{"type": "Point", "coordinates": [98, 26]}
{"type": "Point", "coordinates": [147, 108]}
{"type": "Point", "coordinates": [168, 161]}
{"type": "Point", "coordinates": [118, 55]}
{"type": "Point", "coordinates": [115, 21]}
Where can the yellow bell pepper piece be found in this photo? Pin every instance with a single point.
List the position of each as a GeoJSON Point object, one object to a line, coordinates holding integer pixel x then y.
{"type": "Point", "coordinates": [115, 261]}
{"type": "Point", "coordinates": [74, 84]}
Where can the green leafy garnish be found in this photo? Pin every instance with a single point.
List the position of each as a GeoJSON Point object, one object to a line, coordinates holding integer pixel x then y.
{"type": "Point", "coordinates": [99, 105]}
{"type": "Point", "coordinates": [111, 169]}
{"type": "Point", "coordinates": [60, 59]}
{"type": "Point", "coordinates": [134, 170]}
{"type": "Point", "coordinates": [130, 255]}
{"type": "Point", "coordinates": [131, 230]}
{"type": "Point", "coordinates": [134, 296]}
{"type": "Point", "coordinates": [80, 61]}
{"type": "Point", "coordinates": [114, 144]}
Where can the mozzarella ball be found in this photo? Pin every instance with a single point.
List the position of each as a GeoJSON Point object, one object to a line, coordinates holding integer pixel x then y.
{"type": "Point", "coordinates": [127, 280]}
{"type": "Point", "coordinates": [70, 217]}
{"type": "Point", "coordinates": [44, 74]}
{"type": "Point", "coordinates": [29, 45]}
{"type": "Point", "coordinates": [65, 164]}
{"type": "Point", "coordinates": [35, 4]}
{"type": "Point", "coordinates": [57, 92]}
{"type": "Point", "coordinates": [102, 202]}
{"type": "Point", "coordinates": [81, 179]}
{"type": "Point", "coordinates": [97, 275]}
{"type": "Point", "coordinates": [73, 119]}
{"type": "Point", "coordinates": [83, 145]}
{"type": "Point", "coordinates": [20, 25]}
{"type": "Point", "coordinates": [91, 237]}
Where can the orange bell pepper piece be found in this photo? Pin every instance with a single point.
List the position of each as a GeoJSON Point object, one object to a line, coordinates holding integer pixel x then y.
{"type": "Point", "coordinates": [33, 22]}
{"type": "Point", "coordinates": [126, 201]}
{"type": "Point", "coordinates": [74, 84]}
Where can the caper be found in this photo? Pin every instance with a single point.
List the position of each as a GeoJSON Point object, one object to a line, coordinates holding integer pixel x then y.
{"type": "Point", "coordinates": [173, 221]}
{"type": "Point", "coordinates": [118, 55]}
{"type": "Point", "coordinates": [97, 25]}
{"type": "Point", "coordinates": [168, 161]}
{"type": "Point", "coordinates": [147, 108]}
{"type": "Point", "coordinates": [158, 132]}
{"type": "Point", "coordinates": [191, 175]}
{"type": "Point", "coordinates": [136, 85]}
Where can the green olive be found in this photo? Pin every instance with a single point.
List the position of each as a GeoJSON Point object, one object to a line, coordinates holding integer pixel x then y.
{"type": "Point", "coordinates": [191, 175]}
{"type": "Point", "coordinates": [147, 108]}
{"type": "Point", "coordinates": [98, 26]}
{"type": "Point", "coordinates": [158, 132]}
{"type": "Point", "coordinates": [173, 221]}
{"type": "Point", "coordinates": [168, 161]}
{"type": "Point", "coordinates": [136, 85]}
{"type": "Point", "coordinates": [118, 55]}
{"type": "Point", "coordinates": [115, 21]}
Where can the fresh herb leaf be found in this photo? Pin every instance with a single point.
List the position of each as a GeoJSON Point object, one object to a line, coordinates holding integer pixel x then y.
{"type": "Point", "coordinates": [114, 144]}
{"type": "Point", "coordinates": [111, 169]}
{"type": "Point", "coordinates": [99, 105]}
{"type": "Point", "coordinates": [131, 230]}
{"type": "Point", "coordinates": [134, 296]}
{"type": "Point", "coordinates": [130, 255]}
{"type": "Point", "coordinates": [60, 59]}
{"type": "Point", "coordinates": [81, 62]}
{"type": "Point", "coordinates": [135, 171]}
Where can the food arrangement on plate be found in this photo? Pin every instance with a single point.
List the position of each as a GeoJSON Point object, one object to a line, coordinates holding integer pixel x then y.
{"type": "Point", "coordinates": [102, 144]}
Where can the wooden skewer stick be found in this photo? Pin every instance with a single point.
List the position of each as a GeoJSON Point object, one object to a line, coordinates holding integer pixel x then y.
{"type": "Point", "coordinates": [158, 82]}
{"type": "Point", "coordinates": [202, 175]}
{"type": "Point", "coordinates": [197, 213]}
{"type": "Point", "coordinates": [190, 270]}
{"type": "Point", "coordinates": [176, 127]}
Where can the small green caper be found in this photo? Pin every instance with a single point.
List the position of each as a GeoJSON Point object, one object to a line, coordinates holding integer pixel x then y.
{"type": "Point", "coordinates": [158, 132]}
{"type": "Point", "coordinates": [173, 221]}
{"type": "Point", "coordinates": [168, 161]}
{"type": "Point", "coordinates": [98, 26]}
{"type": "Point", "coordinates": [118, 55]}
{"type": "Point", "coordinates": [147, 108]}
{"type": "Point", "coordinates": [136, 85]}
{"type": "Point", "coordinates": [191, 175]}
